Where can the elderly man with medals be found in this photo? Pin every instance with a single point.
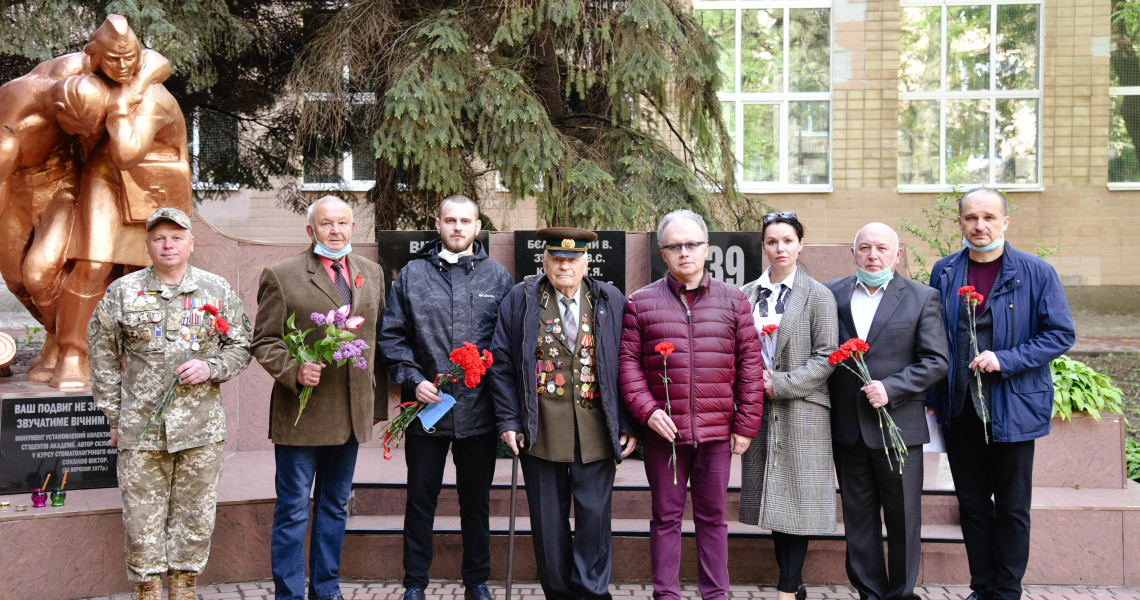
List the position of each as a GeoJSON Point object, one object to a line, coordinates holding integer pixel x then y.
{"type": "Point", "coordinates": [554, 381]}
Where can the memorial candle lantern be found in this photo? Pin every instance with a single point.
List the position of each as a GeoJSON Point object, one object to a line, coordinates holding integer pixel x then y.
{"type": "Point", "coordinates": [58, 496]}
{"type": "Point", "coordinates": [39, 498]}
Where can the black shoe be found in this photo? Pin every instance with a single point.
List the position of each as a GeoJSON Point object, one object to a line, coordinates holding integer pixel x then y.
{"type": "Point", "coordinates": [475, 592]}
{"type": "Point", "coordinates": [972, 596]}
{"type": "Point", "coordinates": [414, 593]}
{"type": "Point", "coordinates": [801, 594]}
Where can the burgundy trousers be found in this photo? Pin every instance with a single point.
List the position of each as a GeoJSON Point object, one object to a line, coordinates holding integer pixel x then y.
{"type": "Point", "coordinates": [706, 467]}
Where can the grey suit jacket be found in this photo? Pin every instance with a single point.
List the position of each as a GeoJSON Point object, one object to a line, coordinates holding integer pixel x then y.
{"type": "Point", "coordinates": [908, 355]}
{"type": "Point", "coordinates": [345, 400]}
{"type": "Point", "coordinates": [787, 474]}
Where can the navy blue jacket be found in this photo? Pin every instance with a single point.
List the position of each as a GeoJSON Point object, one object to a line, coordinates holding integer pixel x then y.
{"type": "Point", "coordinates": [435, 307]}
{"type": "Point", "coordinates": [1032, 326]}
{"type": "Point", "coordinates": [513, 387]}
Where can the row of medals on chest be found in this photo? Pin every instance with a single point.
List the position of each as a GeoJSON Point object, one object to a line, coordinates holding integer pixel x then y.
{"type": "Point", "coordinates": [549, 358]}
{"type": "Point", "coordinates": [193, 323]}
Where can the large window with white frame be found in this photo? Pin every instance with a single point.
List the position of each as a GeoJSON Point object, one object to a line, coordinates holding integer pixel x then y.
{"type": "Point", "coordinates": [1124, 105]}
{"type": "Point", "coordinates": [969, 94]}
{"type": "Point", "coordinates": [344, 166]}
{"type": "Point", "coordinates": [776, 96]}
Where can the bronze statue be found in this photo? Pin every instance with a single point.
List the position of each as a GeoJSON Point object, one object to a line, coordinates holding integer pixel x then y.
{"type": "Point", "coordinates": [91, 144]}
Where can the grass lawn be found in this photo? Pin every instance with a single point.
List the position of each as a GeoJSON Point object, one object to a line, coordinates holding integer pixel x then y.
{"type": "Point", "coordinates": [1124, 369]}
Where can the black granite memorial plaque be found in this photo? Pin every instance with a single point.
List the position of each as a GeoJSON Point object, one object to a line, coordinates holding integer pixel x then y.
{"type": "Point", "coordinates": [607, 257]}
{"type": "Point", "coordinates": [735, 257]}
{"type": "Point", "coordinates": [398, 248]}
{"type": "Point", "coordinates": [46, 434]}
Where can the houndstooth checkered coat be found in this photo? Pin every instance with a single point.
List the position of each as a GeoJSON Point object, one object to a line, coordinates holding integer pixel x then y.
{"type": "Point", "coordinates": [788, 478]}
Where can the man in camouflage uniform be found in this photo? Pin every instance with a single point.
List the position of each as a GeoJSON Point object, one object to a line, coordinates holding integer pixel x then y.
{"type": "Point", "coordinates": [151, 326]}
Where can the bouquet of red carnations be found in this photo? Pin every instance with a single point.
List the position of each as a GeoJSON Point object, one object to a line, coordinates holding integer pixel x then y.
{"type": "Point", "coordinates": [854, 349]}
{"type": "Point", "coordinates": [466, 363]}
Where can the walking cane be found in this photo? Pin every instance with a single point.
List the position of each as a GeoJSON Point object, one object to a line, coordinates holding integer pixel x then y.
{"type": "Point", "coordinates": [511, 525]}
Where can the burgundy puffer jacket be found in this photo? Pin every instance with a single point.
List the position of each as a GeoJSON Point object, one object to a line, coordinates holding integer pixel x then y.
{"type": "Point", "coordinates": [716, 384]}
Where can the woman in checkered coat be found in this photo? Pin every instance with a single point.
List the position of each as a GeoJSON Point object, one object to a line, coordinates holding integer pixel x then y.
{"type": "Point", "coordinates": [788, 480]}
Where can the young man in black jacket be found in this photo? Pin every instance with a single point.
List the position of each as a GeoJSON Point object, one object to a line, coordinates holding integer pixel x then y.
{"type": "Point", "coordinates": [448, 295]}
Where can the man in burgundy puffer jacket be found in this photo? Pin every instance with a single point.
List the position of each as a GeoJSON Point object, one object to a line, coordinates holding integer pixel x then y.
{"type": "Point", "coordinates": [715, 398]}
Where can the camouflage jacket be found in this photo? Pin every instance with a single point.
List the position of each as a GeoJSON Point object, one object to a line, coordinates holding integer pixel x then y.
{"type": "Point", "coordinates": [141, 331]}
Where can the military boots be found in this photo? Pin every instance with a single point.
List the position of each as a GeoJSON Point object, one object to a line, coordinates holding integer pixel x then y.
{"type": "Point", "coordinates": [183, 585]}
{"type": "Point", "coordinates": [151, 589]}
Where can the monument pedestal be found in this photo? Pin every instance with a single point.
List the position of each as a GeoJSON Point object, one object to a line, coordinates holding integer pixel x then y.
{"type": "Point", "coordinates": [47, 430]}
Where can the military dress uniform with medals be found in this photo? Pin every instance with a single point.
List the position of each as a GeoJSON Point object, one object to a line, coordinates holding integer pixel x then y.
{"type": "Point", "coordinates": [570, 453]}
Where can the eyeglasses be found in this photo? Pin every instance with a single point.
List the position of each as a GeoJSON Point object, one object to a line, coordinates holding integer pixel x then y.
{"type": "Point", "coordinates": [791, 214]}
{"type": "Point", "coordinates": [690, 246]}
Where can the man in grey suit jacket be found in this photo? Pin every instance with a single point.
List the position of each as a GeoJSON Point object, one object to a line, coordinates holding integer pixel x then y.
{"type": "Point", "coordinates": [901, 321]}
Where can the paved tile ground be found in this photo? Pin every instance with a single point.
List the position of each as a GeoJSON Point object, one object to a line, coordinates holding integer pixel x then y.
{"type": "Point", "coordinates": [530, 590]}
{"type": "Point", "coordinates": [1106, 344]}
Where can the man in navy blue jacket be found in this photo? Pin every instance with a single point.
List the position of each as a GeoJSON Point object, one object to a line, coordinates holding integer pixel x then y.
{"type": "Point", "coordinates": [1022, 323]}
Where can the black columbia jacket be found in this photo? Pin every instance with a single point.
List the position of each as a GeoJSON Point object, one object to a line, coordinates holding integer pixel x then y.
{"type": "Point", "coordinates": [434, 307]}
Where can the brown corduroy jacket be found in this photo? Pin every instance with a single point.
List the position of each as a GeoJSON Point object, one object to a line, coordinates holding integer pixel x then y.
{"type": "Point", "coordinates": [346, 399]}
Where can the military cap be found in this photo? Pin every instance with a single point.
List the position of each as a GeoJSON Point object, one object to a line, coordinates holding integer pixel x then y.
{"type": "Point", "coordinates": [566, 241]}
{"type": "Point", "coordinates": [173, 215]}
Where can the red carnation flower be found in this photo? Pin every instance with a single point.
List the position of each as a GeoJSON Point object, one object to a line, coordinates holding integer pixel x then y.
{"type": "Point", "coordinates": [488, 359]}
{"type": "Point", "coordinates": [209, 308]}
{"type": "Point", "coordinates": [976, 298]}
{"type": "Point", "coordinates": [359, 281]}
{"type": "Point", "coordinates": [769, 329]}
{"type": "Point", "coordinates": [837, 357]}
{"type": "Point", "coordinates": [664, 348]}
{"type": "Point", "coordinates": [858, 345]}
{"type": "Point", "coordinates": [966, 290]}
{"type": "Point", "coordinates": [221, 325]}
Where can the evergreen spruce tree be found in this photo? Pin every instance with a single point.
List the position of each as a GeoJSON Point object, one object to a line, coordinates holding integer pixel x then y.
{"type": "Point", "coordinates": [604, 111]}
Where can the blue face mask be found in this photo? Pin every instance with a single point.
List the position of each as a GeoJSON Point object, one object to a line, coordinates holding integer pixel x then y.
{"type": "Point", "coordinates": [322, 250]}
{"type": "Point", "coordinates": [983, 249]}
{"type": "Point", "coordinates": [877, 279]}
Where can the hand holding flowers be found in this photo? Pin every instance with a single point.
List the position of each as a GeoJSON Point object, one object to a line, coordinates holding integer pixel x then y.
{"type": "Point", "coordinates": [186, 374]}
{"type": "Point", "coordinates": [972, 299]}
{"type": "Point", "coordinates": [466, 363]}
{"type": "Point", "coordinates": [855, 349]}
{"type": "Point", "coordinates": [768, 345]}
{"type": "Point", "coordinates": [339, 345]}
{"type": "Point", "coordinates": [665, 349]}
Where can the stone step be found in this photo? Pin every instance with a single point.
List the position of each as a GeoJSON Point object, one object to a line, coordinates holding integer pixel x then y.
{"type": "Point", "coordinates": [630, 501]}
{"type": "Point", "coordinates": [751, 557]}
{"type": "Point", "coordinates": [633, 528]}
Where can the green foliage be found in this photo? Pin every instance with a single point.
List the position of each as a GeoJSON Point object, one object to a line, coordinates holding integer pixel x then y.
{"type": "Point", "coordinates": [604, 112]}
{"type": "Point", "coordinates": [1132, 459]}
{"type": "Point", "coordinates": [31, 332]}
{"type": "Point", "coordinates": [940, 234]}
{"type": "Point", "coordinates": [1079, 388]}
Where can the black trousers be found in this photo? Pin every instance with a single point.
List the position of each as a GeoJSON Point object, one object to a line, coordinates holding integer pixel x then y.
{"type": "Point", "coordinates": [994, 484]}
{"type": "Point", "coordinates": [474, 459]}
{"type": "Point", "coordinates": [571, 566]}
{"type": "Point", "coordinates": [868, 481]}
{"type": "Point", "coordinates": [791, 552]}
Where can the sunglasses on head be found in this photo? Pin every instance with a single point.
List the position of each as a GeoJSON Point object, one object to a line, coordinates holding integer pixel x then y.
{"type": "Point", "coordinates": [791, 214]}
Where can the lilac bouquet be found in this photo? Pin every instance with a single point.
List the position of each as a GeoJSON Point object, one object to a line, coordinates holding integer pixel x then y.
{"type": "Point", "coordinates": [339, 345]}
